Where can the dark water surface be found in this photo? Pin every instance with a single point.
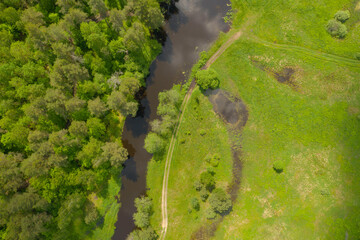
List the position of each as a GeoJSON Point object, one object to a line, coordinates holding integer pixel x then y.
{"type": "Point", "coordinates": [192, 30]}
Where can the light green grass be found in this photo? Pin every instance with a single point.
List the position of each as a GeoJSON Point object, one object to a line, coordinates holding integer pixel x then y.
{"type": "Point", "coordinates": [187, 165]}
{"type": "Point", "coordinates": [312, 125]}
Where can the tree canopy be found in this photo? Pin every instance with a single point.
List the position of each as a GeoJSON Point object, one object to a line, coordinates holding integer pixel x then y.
{"type": "Point", "coordinates": [67, 68]}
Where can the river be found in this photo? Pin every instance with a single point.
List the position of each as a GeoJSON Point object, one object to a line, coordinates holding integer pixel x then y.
{"type": "Point", "coordinates": [193, 29]}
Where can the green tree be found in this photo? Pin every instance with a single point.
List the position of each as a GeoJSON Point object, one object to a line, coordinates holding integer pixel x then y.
{"type": "Point", "coordinates": [113, 154]}
{"type": "Point", "coordinates": [336, 29]}
{"type": "Point", "coordinates": [154, 143]}
{"type": "Point", "coordinates": [11, 178]}
{"type": "Point", "coordinates": [220, 201]}
{"type": "Point", "coordinates": [97, 107]}
{"type": "Point", "coordinates": [342, 16]}
{"type": "Point", "coordinates": [96, 128]}
{"type": "Point", "coordinates": [98, 8]}
{"type": "Point", "coordinates": [144, 234]}
{"type": "Point", "coordinates": [207, 179]}
{"type": "Point", "coordinates": [207, 79]}
{"type": "Point", "coordinates": [78, 129]}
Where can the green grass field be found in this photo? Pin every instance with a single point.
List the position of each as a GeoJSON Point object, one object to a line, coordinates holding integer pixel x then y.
{"type": "Point", "coordinates": [310, 122]}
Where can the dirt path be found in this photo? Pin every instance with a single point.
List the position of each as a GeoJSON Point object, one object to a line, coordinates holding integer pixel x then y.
{"type": "Point", "coordinates": [213, 58]}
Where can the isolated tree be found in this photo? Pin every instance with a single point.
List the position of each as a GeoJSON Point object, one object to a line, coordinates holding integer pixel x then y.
{"type": "Point", "coordinates": [220, 201]}
{"type": "Point", "coordinates": [154, 143]}
{"type": "Point", "coordinates": [342, 16]}
{"type": "Point", "coordinates": [207, 79]}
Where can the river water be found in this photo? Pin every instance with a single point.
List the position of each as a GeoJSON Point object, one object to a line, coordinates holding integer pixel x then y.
{"type": "Point", "coordinates": [191, 30]}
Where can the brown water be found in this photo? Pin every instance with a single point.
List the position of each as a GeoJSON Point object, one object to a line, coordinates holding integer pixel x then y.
{"type": "Point", "coordinates": [193, 29]}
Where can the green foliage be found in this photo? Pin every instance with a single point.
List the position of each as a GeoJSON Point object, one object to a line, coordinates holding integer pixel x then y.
{"type": "Point", "coordinates": [197, 185]}
{"type": "Point", "coordinates": [336, 28]}
{"type": "Point", "coordinates": [279, 165]}
{"type": "Point", "coordinates": [220, 201]}
{"type": "Point", "coordinates": [58, 142]}
{"type": "Point", "coordinates": [195, 204]}
{"type": "Point", "coordinates": [144, 210]}
{"type": "Point", "coordinates": [144, 234]}
{"type": "Point", "coordinates": [342, 16]}
{"type": "Point", "coordinates": [207, 179]}
{"type": "Point", "coordinates": [154, 143]}
{"type": "Point", "coordinates": [207, 79]}
{"type": "Point", "coordinates": [203, 194]}
{"type": "Point", "coordinates": [210, 213]}
{"type": "Point", "coordinates": [96, 128]}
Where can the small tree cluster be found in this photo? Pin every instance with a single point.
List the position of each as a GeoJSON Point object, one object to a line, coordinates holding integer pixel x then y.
{"type": "Point", "coordinates": [142, 220]}
{"type": "Point", "coordinates": [168, 109]}
{"type": "Point", "coordinates": [144, 210]}
{"type": "Point", "coordinates": [207, 79]}
{"type": "Point", "coordinates": [335, 27]}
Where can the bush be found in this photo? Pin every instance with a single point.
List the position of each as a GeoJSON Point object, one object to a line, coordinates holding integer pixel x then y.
{"type": "Point", "coordinates": [202, 132]}
{"type": "Point", "coordinates": [203, 194]}
{"type": "Point", "coordinates": [207, 179]}
{"type": "Point", "coordinates": [210, 213]}
{"type": "Point", "coordinates": [357, 56]}
{"type": "Point", "coordinates": [207, 79]}
{"type": "Point", "coordinates": [154, 143]}
{"type": "Point", "coordinates": [194, 202]}
{"type": "Point", "coordinates": [197, 185]}
{"type": "Point", "coordinates": [336, 29]}
{"type": "Point", "coordinates": [279, 166]}
{"type": "Point", "coordinates": [342, 16]}
{"type": "Point", "coordinates": [220, 201]}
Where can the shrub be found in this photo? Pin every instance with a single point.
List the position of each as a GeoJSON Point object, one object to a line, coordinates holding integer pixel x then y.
{"type": "Point", "coordinates": [220, 201]}
{"type": "Point", "coordinates": [278, 166]}
{"type": "Point", "coordinates": [194, 202]}
{"type": "Point", "coordinates": [210, 213]}
{"type": "Point", "coordinates": [207, 79]}
{"type": "Point", "coordinates": [202, 132]}
{"type": "Point", "coordinates": [207, 179]}
{"type": "Point", "coordinates": [203, 194]}
{"type": "Point", "coordinates": [197, 185]}
{"type": "Point", "coordinates": [357, 56]}
{"type": "Point", "coordinates": [342, 16]}
{"type": "Point", "coordinates": [336, 29]}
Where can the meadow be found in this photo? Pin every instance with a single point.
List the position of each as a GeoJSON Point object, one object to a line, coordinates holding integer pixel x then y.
{"type": "Point", "coordinates": [301, 88]}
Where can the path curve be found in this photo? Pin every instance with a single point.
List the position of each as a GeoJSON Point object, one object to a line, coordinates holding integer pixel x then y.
{"type": "Point", "coordinates": [212, 59]}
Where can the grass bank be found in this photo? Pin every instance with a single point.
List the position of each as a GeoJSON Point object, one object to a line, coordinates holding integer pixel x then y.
{"type": "Point", "coordinates": [301, 88]}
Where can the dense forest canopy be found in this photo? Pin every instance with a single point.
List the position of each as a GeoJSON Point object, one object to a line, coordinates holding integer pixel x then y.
{"type": "Point", "coordinates": [69, 70]}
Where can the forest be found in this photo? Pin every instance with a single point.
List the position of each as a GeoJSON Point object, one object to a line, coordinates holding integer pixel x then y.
{"type": "Point", "coordinates": [69, 72]}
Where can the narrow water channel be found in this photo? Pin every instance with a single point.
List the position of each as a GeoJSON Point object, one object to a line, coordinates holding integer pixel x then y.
{"type": "Point", "coordinates": [191, 30]}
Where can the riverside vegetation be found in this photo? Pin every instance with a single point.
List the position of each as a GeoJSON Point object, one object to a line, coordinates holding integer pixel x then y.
{"type": "Point", "coordinates": [69, 71]}
{"type": "Point", "coordinates": [298, 77]}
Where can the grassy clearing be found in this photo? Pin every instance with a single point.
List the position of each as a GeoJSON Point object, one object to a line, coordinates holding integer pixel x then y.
{"type": "Point", "coordinates": [311, 123]}
{"type": "Point", "coordinates": [187, 164]}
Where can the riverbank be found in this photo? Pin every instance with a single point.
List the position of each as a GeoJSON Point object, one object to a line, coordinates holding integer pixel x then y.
{"type": "Point", "coordinates": [313, 130]}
